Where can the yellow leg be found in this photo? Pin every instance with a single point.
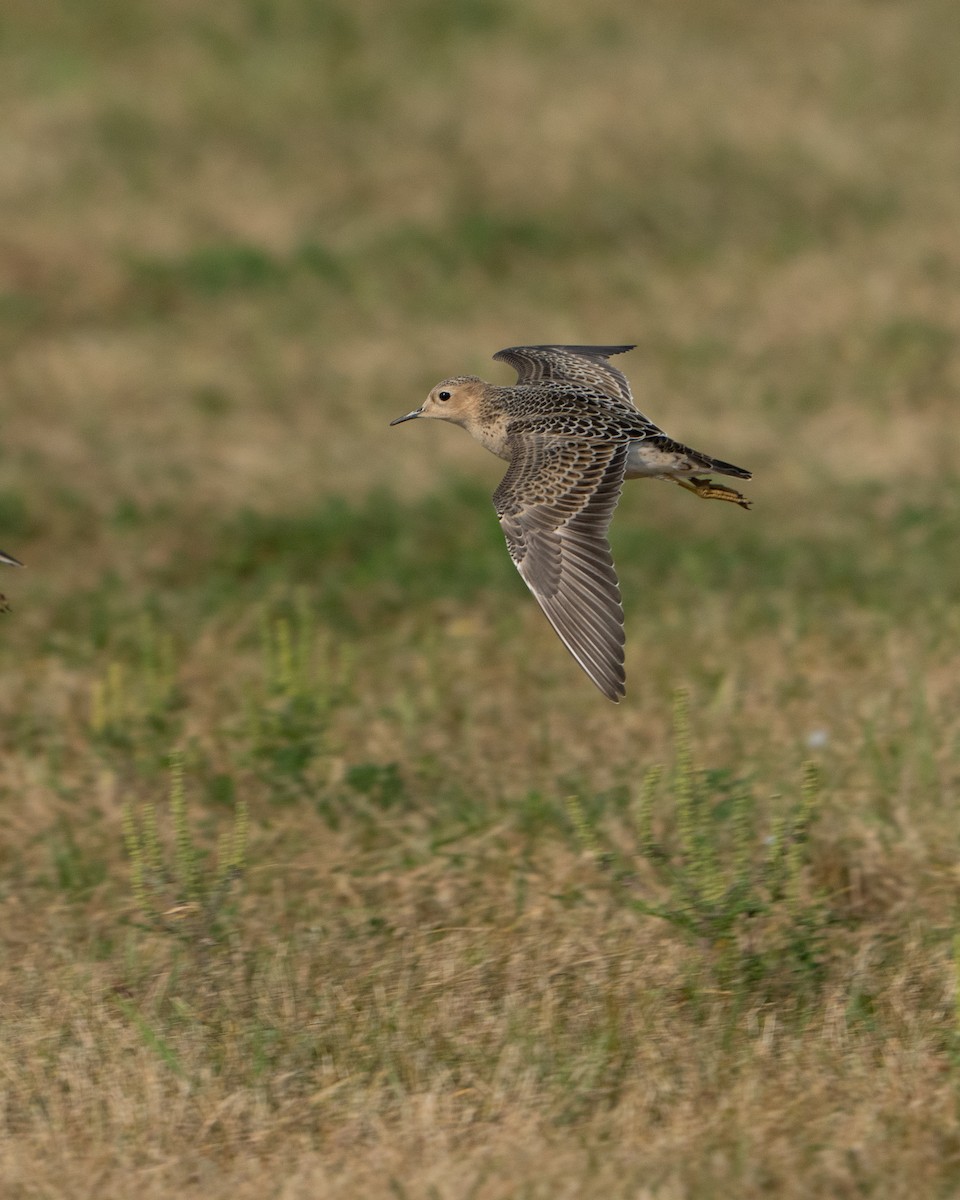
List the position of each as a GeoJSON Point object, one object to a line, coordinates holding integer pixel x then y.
{"type": "Point", "coordinates": [708, 490]}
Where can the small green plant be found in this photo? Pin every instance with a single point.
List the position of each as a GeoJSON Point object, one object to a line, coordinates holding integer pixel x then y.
{"type": "Point", "coordinates": [742, 895]}
{"type": "Point", "coordinates": [287, 724]}
{"type": "Point", "coordinates": [177, 890]}
{"type": "Point", "coordinates": [132, 699]}
{"type": "Point", "coordinates": [288, 645]}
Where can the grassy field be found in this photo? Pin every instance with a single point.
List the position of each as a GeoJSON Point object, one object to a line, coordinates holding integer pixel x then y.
{"type": "Point", "coordinates": [324, 870]}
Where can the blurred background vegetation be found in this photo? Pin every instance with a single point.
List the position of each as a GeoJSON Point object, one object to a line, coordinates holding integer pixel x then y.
{"type": "Point", "coordinates": [236, 240]}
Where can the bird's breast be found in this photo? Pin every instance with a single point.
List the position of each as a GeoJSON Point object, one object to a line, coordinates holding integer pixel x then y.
{"type": "Point", "coordinates": [492, 435]}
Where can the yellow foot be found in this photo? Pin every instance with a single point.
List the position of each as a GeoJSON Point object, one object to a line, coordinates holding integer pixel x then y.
{"type": "Point", "coordinates": [708, 490]}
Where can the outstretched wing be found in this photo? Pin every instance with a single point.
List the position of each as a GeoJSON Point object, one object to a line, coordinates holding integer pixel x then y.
{"type": "Point", "coordinates": [555, 504]}
{"type": "Point", "coordinates": [569, 364]}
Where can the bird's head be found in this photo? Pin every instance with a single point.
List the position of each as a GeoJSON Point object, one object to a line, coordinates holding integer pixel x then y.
{"type": "Point", "coordinates": [456, 400]}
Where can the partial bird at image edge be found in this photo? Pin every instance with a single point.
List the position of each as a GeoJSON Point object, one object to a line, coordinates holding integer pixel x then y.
{"type": "Point", "coordinates": [12, 562]}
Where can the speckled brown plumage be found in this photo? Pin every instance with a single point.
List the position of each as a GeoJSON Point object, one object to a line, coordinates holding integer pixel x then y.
{"type": "Point", "coordinates": [571, 433]}
{"type": "Point", "coordinates": [587, 365]}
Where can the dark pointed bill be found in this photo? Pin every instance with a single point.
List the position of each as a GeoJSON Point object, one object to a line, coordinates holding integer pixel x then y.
{"type": "Point", "coordinates": [409, 417]}
{"type": "Point", "coordinates": [10, 560]}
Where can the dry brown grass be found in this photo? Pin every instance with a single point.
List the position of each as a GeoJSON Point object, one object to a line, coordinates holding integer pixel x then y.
{"type": "Point", "coordinates": [236, 241]}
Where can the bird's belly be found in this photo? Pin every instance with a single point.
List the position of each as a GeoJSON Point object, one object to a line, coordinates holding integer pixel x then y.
{"type": "Point", "coordinates": [646, 460]}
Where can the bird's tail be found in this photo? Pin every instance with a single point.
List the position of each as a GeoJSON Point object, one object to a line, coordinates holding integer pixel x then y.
{"type": "Point", "coordinates": [725, 468]}
{"type": "Point", "coordinates": [695, 461]}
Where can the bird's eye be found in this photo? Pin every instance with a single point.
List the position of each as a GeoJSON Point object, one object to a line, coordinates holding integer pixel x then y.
{"type": "Point", "coordinates": [443, 395]}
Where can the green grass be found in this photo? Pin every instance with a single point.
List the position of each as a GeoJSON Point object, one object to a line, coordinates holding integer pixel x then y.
{"type": "Point", "coordinates": [414, 913]}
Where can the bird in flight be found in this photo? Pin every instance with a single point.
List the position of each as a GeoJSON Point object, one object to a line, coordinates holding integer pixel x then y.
{"type": "Point", "coordinates": [571, 432]}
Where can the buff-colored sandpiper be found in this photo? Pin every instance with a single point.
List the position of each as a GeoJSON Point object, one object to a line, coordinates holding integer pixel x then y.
{"type": "Point", "coordinates": [571, 433]}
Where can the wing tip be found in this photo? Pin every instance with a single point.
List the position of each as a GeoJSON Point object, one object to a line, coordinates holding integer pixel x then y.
{"type": "Point", "coordinates": [602, 351]}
